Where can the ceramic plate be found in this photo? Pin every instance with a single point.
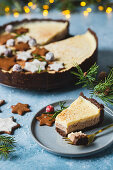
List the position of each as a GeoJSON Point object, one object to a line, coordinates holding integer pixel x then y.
{"type": "Point", "coordinates": [50, 140]}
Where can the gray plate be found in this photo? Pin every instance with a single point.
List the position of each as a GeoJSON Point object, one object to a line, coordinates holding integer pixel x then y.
{"type": "Point", "coordinates": [50, 140]}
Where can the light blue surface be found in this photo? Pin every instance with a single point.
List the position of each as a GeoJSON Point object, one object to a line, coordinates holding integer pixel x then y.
{"type": "Point", "coordinates": [28, 155]}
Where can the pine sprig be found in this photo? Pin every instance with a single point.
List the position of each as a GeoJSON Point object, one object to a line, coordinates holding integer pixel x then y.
{"type": "Point", "coordinates": [7, 145]}
{"type": "Point", "coordinates": [101, 89]}
{"type": "Point", "coordinates": [38, 57]}
{"type": "Point", "coordinates": [56, 112]}
{"type": "Point", "coordinates": [62, 107]}
{"type": "Point", "coordinates": [104, 90]}
{"type": "Point", "coordinates": [87, 79]}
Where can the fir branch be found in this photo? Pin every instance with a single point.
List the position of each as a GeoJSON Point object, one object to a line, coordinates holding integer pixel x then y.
{"type": "Point", "coordinates": [56, 112]}
{"type": "Point", "coordinates": [62, 107]}
{"type": "Point", "coordinates": [38, 57]}
{"type": "Point", "coordinates": [7, 145]}
{"type": "Point", "coordinates": [102, 89]}
{"type": "Point", "coordinates": [87, 79]}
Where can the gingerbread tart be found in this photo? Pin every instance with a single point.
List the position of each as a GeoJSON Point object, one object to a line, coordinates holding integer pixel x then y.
{"type": "Point", "coordinates": [83, 113]}
{"type": "Point", "coordinates": [80, 49]}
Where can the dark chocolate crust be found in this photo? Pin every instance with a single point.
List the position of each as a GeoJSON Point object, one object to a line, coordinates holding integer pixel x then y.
{"type": "Point", "coordinates": [100, 106]}
{"type": "Point", "coordinates": [45, 80]}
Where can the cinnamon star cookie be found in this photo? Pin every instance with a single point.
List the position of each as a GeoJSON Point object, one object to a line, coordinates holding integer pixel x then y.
{"type": "Point", "coordinates": [4, 38]}
{"type": "Point", "coordinates": [7, 125]}
{"type": "Point", "coordinates": [7, 63]}
{"type": "Point", "coordinates": [20, 108]}
{"type": "Point", "coordinates": [22, 46]}
{"type": "Point", "coordinates": [46, 119]}
{"type": "Point", "coordinates": [21, 30]}
{"type": "Point", "coordinates": [40, 51]}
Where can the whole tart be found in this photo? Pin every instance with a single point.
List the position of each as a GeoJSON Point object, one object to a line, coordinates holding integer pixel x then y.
{"type": "Point", "coordinates": [55, 73]}
{"type": "Point", "coordinates": [83, 113]}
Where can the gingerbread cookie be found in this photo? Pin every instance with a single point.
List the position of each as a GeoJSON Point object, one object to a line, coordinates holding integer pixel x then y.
{"type": "Point", "coordinates": [21, 30]}
{"type": "Point", "coordinates": [4, 38]}
{"type": "Point", "coordinates": [7, 125]}
{"type": "Point", "coordinates": [40, 51]}
{"type": "Point", "coordinates": [20, 108]}
{"type": "Point", "coordinates": [7, 63]}
{"type": "Point", "coordinates": [22, 46]}
{"type": "Point", "coordinates": [46, 119]}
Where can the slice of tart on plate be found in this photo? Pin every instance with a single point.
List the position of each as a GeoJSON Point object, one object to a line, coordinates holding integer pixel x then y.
{"type": "Point", "coordinates": [83, 113]}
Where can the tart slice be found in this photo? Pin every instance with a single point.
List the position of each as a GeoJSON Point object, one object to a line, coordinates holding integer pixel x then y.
{"type": "Point", "coordinates": [43, 30]}
{"type": "Point", "coordinates": [81, 114]}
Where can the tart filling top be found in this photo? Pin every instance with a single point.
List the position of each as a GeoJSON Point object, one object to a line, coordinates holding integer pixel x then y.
{"type": "Point", "coordinates": [80, 110]}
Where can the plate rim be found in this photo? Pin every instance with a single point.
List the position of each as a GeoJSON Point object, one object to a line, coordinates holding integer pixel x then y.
{"type": "Point", "coordinates": [61, 153]}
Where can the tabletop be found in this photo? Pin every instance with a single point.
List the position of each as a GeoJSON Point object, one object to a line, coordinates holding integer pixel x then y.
{"type": "Point", "coordinates": [29, 155]}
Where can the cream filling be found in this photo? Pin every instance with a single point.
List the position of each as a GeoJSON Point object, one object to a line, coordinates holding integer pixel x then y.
{"type": "Point", "coordinates": [80, 110]}
{"type": "Point", "coordinates": [44, 31]}
{"type": "Point", "coordinates": [73, 50]}
{"type": "Point", "coordinates": [82, 124]}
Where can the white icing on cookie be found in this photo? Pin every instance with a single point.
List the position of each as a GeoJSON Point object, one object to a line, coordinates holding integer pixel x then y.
{"type": "Point", "coordinates": [56, 66]}
{"type": "Point", "coordinates": [35, 65]}
{"type": "Point", "coordinates": [49, 56]}
{"type": "Point", "coordinates": [25, 55]}
{"type": "Point", "coordinates": [17, 68]}
{"type": "Point", "coordinates": [23, 38]}
{"type": "Point", "coordinates": [2, 49]}
{"type": "Point", "coordinates": [10, 42]}
{"type": "Point", "coordinates": [7, 124]}
{"type": "Point", "coordinates": [5, 51]}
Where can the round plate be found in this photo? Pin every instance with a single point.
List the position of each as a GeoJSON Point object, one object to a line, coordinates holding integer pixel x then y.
{"type": "Point", "coordinates": [50, 140]}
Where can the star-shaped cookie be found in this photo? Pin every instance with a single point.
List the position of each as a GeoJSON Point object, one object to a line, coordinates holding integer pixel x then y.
{"type": "Point", "coordinates": [7, 63]}
{"type": "Point", "coordinates": [56, 66]}
{"type": "Point", "coordinates": [45, 119]}
{"type": "Point", "coordinates": [4, 38]}
{"type": "Point", "coordinates": [22, 47]}
{"type": "Point", "coordinates": [20, 108]}
{"type": "Point", "coordinates": [40, 51]}
{"type": "Point", "coordinates": [21, 30]}
{"type": "Point", "coordinates": [7, 125]}
{"type": "Point", "coordinates": [35, 65]}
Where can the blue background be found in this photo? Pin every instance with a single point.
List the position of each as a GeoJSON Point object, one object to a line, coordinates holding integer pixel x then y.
{"type": "Point", "coordinates": [28, 154]}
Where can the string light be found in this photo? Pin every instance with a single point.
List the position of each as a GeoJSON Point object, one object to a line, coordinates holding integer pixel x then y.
{"type": "Point", "coordinates": [108, 10]}
{"type": "Point", "coordinates": [30, 4]}
{"type": "Point", "coordinates": [45, 6]}
{"type": "Point", "coordinates": [66, 12]}
{"type": "Point", "coordinates": [51, 1]}
{"type": "Point", "coordinates": [26, 9]}
{"type": "Point", "coordinates": [16, 14]}
{"type": "Point", "coordinates": [83, 3]}
{"type": "Point", "coordinates": [100, 8]}
{"type": "Point", "coordinates": [85, 13]}
{"type": "Point", "coordinates": [7, 9]}
{"type": "Point", "coordinates": [45, 12]}
{"type": "Point", "coordinates": [89, 9]}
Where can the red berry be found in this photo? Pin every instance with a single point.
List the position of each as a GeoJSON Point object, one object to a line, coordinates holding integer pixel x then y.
{"type": "Point", "coordinates": [49, 108]}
